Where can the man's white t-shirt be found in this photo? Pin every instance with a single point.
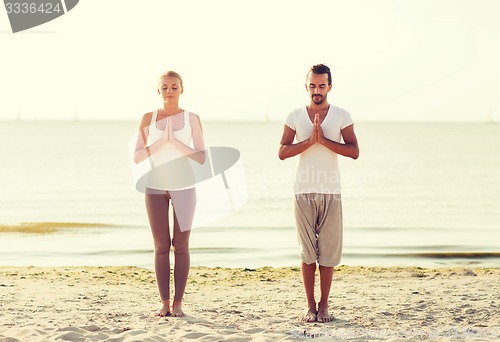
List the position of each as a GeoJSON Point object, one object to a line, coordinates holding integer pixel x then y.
{"type": "Point", "coordinates": [318, 170]}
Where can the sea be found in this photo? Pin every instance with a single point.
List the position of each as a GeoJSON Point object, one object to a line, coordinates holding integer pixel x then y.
{"type": "Point", "coordinates": [421, 194]}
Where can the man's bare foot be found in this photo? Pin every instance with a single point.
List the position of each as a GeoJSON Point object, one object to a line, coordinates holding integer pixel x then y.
{"type": "Point", "coordinates": [311, 314]}
{"type": "Point", "coordinates": [323, 315]}
{"type": "Point", "coordinates": [177, 309]}
{"type": "Point", "coordinates": [165, 309]}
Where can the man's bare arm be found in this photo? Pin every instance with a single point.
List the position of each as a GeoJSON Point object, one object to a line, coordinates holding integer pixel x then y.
{"type": "Point", "coordinates": [350, 146]}
{"type": "Point", "coordinates": [288, 148]}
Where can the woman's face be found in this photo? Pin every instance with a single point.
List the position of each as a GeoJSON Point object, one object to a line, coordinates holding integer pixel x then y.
{"type": "Point", "coordinates": [170, 88]}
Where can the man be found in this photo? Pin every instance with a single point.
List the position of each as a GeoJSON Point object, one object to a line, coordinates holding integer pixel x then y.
{"type": "Point", "coordinates": [319, 129]}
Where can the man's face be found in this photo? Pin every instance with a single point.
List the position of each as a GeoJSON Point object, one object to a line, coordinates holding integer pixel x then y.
{"type": "Point", "coordinates": [318, 88]}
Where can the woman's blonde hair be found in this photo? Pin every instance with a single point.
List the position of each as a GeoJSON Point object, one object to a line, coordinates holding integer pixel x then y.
{"type": "Point", "coordinates": [172, 74]}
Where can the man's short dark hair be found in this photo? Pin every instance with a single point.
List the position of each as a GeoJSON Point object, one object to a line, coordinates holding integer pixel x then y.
{"type": "Point", "coordinates": [319, 69]}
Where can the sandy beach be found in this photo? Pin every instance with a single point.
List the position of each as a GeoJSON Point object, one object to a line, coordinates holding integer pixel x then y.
{"type": "Point", "coordinates": [264, 304]}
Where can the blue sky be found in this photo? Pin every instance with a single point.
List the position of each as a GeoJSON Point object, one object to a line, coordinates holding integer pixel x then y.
{"type": "Point", "coordinates": [392, 60]}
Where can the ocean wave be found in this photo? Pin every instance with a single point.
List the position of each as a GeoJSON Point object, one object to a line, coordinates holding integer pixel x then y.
{"type": "Point", "coordinates": [48, 227]}
{"type": "Point", "coordinates": [453, 255]}
{"type": "Point", "coordinates": [426, 255]}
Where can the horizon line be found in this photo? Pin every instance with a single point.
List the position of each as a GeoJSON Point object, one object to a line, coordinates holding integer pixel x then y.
{"type": "Point", "coordinates": [11, 120]}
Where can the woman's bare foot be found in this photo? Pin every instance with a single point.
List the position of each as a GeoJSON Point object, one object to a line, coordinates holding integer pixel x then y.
{"type": "Point", "coordinates": [311, 314]}
{"type": "Point", "coordinates": [177, 309]}
{"type": "Point", "coordinates": [165, 309]}
{"type": "Point", "coordinates": [323, 315]}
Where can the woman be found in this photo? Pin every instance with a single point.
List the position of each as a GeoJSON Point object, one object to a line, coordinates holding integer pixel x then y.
{"type": "Point", "coordinates": [166, 136]}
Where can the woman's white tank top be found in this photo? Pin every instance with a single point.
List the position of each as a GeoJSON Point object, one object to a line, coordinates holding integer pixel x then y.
{"type": "Point", "coordinates": [165, 178]}
{"type": "Point", "coordinates": [183, 134]}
